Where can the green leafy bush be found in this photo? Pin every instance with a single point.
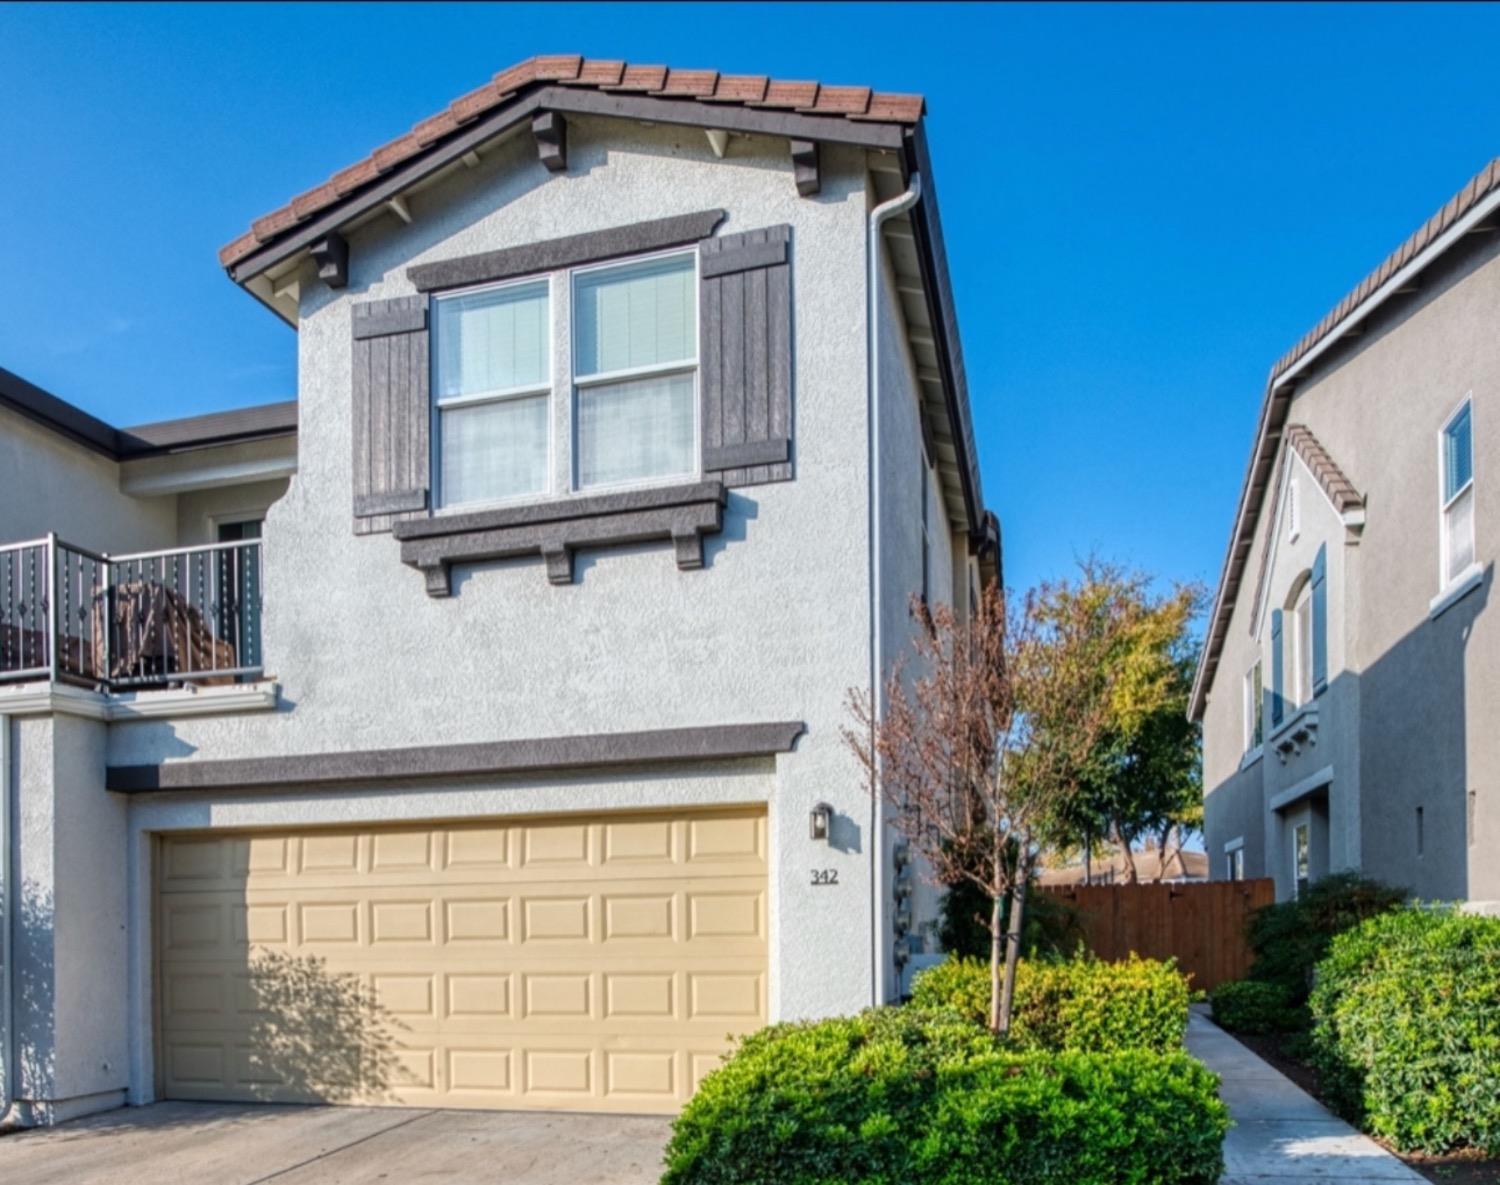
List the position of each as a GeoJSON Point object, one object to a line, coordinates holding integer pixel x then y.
{"type": "Point", "coordinates": [1080, 1003]}
{"type": "Point", "coordinates": [1290, 937]}
{"type": "Point", "coordinates": [1406, 1028]}
{"type": "Point", "coordinates": [900, 1095]}
{"type": "Point", "coordinates": [1249, 1006]}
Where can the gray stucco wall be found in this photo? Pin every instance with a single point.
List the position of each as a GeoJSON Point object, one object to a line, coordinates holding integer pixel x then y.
{"type": "Point", "coordinates": [200, 512]}
{"type": "Point", "coordinates": [1409, 722]}
{"type": "Point", "coordinates": [51, 484]}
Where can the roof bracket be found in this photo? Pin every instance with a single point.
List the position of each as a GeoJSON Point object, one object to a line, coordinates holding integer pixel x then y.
{"type": "Point", "coordinates": [805, 167]}
{"type": "Point", "coordinates": [331, 254]}
{"type": "Point", "coordinates": [551, 132]}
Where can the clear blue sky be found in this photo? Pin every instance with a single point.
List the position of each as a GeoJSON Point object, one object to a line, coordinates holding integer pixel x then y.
{"type": "Point", "coordinates": [1144, 206]}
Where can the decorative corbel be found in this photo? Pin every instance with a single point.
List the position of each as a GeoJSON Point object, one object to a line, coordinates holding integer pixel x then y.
{"type": "Point", "coordinates": [805, 167]}
{"type": "Point", "coordinates": [331, 254]}
{"type": "Point", "coordinates": [551, 132]}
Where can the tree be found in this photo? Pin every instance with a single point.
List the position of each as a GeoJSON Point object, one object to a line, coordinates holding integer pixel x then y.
{"type": "Point", "coordinates": [1144, 778]}
{"type": "Point", "coordinates": [980, 751]}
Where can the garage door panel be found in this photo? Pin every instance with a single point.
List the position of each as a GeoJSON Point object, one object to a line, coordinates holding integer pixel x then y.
{"type": "Point", "coordinates": [595, 963]}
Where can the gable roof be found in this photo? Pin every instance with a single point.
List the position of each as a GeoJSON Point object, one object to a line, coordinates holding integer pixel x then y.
{"type": "Point", "coordinates": [1475, 204]}
{"type": "Point", "coordinates": [1346, 500]}
{"type": "Point", "coordinates": [751, 91]}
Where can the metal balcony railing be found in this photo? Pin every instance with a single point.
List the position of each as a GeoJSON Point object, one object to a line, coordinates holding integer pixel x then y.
{"type": "Point", "coordinates": [187, 615]}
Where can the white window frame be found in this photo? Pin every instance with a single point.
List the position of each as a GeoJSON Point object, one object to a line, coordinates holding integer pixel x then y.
{"type": "Point", "coordinates": [1302, 827]}
{"type": "Point", "coordinates": [1445, 503]}
{"type": "Point", "coordinates": [576, 384]}
{"type": "Point", "coordinates": [1254, 707]}
{"type": "Point", "coordinates": [500, 395]}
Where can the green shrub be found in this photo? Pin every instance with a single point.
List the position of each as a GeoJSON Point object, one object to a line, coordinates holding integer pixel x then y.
{"type": "Point", "coordinates": [1049, 925]}
{"type": "Point", "coordinates": [1406, 1028]}
{"type": "Point", "coordinates": [901, 1095]}
{"type": "Point", "coordinates": [1290, 937]}
{"type": "Point", "coordinates": [1080, 1003]}
{"type": "Point", "coordinates": [1249, 1006]}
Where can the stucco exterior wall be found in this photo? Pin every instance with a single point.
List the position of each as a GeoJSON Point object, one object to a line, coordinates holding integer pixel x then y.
{"type": "Point", "coordinates": [1408, 721]}
{"type": "Point", "coordinates": [200, 512]}
{"type": "Point", "coordinates": [52, 484]}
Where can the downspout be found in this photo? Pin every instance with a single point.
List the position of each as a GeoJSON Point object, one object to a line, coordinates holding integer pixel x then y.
{"type": "Point", "coordinates": [7, 949]}
{"type": "Point", "coordinates": [878, 217]}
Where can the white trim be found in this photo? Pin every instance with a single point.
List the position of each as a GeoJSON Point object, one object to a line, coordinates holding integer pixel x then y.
{"type": "Point", "coordinates": [1300, 790]}
{"type": "Point", "coordinates": [1234, 844]}
{"type": "Point", "coordinates": [42, 698]}
{"type": "Point", "coordinates": [190, 481]}
{"type": "Point", "coordinates": [1463, 584]}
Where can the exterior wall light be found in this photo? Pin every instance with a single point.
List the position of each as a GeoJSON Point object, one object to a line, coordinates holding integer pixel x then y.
{"type": "Point", "coordinates": [821, 822]}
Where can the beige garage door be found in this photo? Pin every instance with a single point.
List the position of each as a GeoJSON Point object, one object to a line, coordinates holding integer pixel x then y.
{"type": "Point", "coordinates": [547, 964]}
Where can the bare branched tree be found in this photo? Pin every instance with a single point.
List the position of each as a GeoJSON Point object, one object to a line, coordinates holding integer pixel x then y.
{"type": "Point", "coordinates": [984, 737]}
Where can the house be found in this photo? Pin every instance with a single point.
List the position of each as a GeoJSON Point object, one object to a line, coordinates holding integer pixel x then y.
{"type": "Point", "coordinates": [467, 733]}
{"type": "Point", "coordinates": [1348, 683]}
{"type": "Point", "coordinates": [1180, 865]}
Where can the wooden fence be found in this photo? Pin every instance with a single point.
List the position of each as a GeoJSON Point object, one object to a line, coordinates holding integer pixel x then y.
{"type": "Point", "coordinates": [1201, 924]}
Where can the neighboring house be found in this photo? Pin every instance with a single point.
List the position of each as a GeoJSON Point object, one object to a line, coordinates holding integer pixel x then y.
{"type": "Point", "coordinates": [631, 416]}
{"type": "Point", "coordinates": [1350, 682]}
{"type": "Point", "coordinates": [1111, 870]}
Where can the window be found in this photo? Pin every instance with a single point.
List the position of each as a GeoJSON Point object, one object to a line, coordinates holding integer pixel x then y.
{"type": "Point", "coordinates": [1254, 707]}
{"type": "Point", "coordinates": [1421, 832]}
{"type": "Point", "coordinates": [492, 391]}
{"type": "Point", "coordinates": [1458, 494]}
{"type": "Point", "coordinates": [1301, 857]}
{"type": "Point", "coordinates": [1234, 865]}
{"type": "Point", "coordinates": [1302, 646]}
{"type": "Point", "coordinates": [635, 360]}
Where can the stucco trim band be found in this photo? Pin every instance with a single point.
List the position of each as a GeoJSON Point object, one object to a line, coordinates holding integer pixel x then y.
{"type": "Point", "coordinates": [1300, 790]}
{"type": "Point", "coordinates": [556, 528]}
{"type": "Point", "coordinates": [586, 751]}
{"type": "Point", "coordinates": [590, 247]}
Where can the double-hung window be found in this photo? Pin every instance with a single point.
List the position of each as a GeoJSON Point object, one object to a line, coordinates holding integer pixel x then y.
{"type": "Point", "coordinates": [1254, 699]}
{"type": "Point", "coordinates": [1458, 493]}
{"type": "Point", "coordinates": [493, 382]}
{"type": "Point", "coordinates": [635, 370]}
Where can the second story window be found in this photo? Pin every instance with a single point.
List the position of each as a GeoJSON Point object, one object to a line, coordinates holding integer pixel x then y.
{"type": "Point", "coordinates": [1302, 646]}
{"type": "Point", "coordinates": [493, 380]}
{"type": "Point", "coordinates": [1458, 493]}
{"type": "Point", "coordinates": [1254, 698]}
{"type": "Point", "coordinates": [635, 362]}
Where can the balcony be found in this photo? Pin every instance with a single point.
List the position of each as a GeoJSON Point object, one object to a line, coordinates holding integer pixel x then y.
{"type": "Point", "coordinates": [188, 615]}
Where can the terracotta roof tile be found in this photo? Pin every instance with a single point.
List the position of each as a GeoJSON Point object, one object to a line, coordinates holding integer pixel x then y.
{"type": "Point", "coordinates": [754, 90]}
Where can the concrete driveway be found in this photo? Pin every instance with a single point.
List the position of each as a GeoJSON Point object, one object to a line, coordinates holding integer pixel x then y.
{"type": "Point", "coordinates": [232, 1144]}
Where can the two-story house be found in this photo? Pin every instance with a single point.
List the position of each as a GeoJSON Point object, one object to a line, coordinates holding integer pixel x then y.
{"type": "Point", "coordinates": [1349, 686]}
{"type": "Point", "coordinates": [467, 732]}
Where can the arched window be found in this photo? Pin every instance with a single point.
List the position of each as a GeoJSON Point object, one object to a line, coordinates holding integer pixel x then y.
{"type": "Point", "coordinates": [1302, 644]}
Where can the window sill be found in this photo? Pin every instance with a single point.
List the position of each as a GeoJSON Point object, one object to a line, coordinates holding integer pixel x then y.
{"type": "Point", "coordinates": [1252, 756]}
{"type": "Point", "coordinates": [1462, 584]}
{"type": "Point", "coordinates": [556, 528]}
{"type": "Point", "coordinates": [1301, 729]}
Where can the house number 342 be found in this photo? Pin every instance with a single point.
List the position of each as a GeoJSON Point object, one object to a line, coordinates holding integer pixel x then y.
{"type": "Point", "coordinates": [825, 876]}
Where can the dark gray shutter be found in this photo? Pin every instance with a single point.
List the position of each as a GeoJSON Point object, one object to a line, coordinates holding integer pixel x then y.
{"type": "Point", "coordinates": [745, 359]}
{"type": "Point", "coordinates": [1320, 620]}
{"type": "Point", "coordinates": [1276, 668]}
{"type": "Point", "coordinates": [391, 413]}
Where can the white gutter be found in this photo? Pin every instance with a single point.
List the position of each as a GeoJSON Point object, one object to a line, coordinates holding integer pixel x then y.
{"type": "Point", "coordinates": [1400, 279]}
{"type": "Point", "coordinates": [878, 217]}
{"type": "Point", "coordinates": [7, 909]}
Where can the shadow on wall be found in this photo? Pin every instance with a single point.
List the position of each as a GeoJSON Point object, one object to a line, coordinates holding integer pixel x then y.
{"type": "Point", "coordinates": [34, 994]}
{"type": "Point", "coordinates": [316, 1034]}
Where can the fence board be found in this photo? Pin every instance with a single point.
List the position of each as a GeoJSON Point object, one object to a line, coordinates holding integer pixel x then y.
{"type": "Point", "coordinates": [1201, 924]}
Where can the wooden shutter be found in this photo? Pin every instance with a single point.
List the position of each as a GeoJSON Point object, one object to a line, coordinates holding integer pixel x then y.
{"type": "Point", "coordinates": [1320, 620]}
{"type": "Point", "coordinates": [391, 413]}
{"type": "Point", "coordinates": [1277, 701]}
{"type": "Point", "coordinates": [745, 356]}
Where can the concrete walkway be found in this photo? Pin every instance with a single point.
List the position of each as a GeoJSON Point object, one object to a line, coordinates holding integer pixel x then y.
{"type": "Point", "coordinates": [1281, 1134]}
{"type": "Point", "coordinates": [233, 1144]}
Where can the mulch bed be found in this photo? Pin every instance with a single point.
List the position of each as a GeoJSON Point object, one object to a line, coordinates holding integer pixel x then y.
{"type": "Point", "coordinates": [1461, 1168]}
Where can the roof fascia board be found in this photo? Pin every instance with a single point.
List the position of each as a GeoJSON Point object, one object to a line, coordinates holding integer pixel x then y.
{"type": "Point", "coordinates": [206, 431]}
{"type": "Point", "coordinates": [1285, 379]}
{"type": "Point", "coordinates": [933, 261]}
{"type": "Point", "coordinates": [42, 407]}
{"type": "Point", "coordinates": [832, 129]}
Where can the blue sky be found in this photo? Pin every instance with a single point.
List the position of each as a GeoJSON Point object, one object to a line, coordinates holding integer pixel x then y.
{"type": "Point", "coordinates": [1144, 206]}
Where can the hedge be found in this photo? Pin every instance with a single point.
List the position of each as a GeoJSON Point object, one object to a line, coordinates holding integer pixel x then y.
{"type": "Point", "coordinates": [1290, 937]}
{"type": "Point", "coordinates": [901, 1094]}
{"type": "Point", "coordinates": [1406, 1028]}
{"type": "Point", "coordinates": [1083, 1003]}
{"type": "Point", "coordinates": [1251, 1007]}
